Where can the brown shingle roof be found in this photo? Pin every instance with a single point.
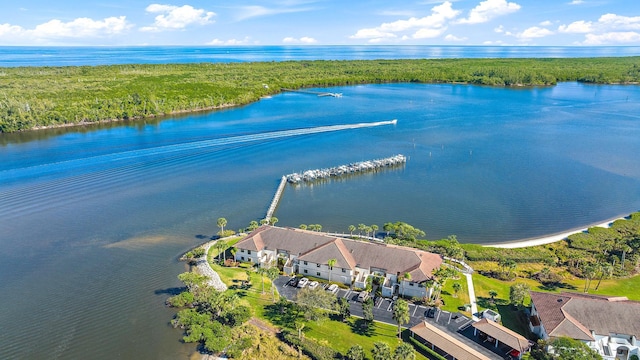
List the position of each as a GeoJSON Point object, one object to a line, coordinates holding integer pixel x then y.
{"type": "Point", "coordinates": [446, 342]}
{"type": "Point", "coordinates": [334, 249]}
{"type": "Point", "coordinates": [502, 334]}
{"type": "Point", "coordinates": [576, 315]}
{"type": "Point", "coordinates": [318, 248]}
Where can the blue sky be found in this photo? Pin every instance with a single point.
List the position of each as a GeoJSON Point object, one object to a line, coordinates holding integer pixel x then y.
{"type": "Point", "coordinates": [321, 22]}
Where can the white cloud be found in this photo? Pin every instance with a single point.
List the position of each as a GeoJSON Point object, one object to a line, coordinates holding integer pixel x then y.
{"type": "Point", "coordinates": [488, 10]}
{"type": "Point", "coordinates": [173, 17]}
{"type": "Point", "coordinates": [546, 23]}
{"type": "Point", "coordinates": [576, 27]}
{"type": "Point", "coordinates": [81, 28]}
{"type": "Point", "coordinates": [429, 26]}
{"type": "Point", "coordinates": [55, 30]}
{"type": "Point", "coordinates": [609, 29]}
{"type": "Point", "coordinates": [245, 41]}
{"type": "Point", "coordinates": [454, 38]}
{"type": "Point", "coordinates": [534, 32]}
{"type": "Point", "coordinates": [612, 38]}
{"type": "Point", "coordinates": [576, 2]}
{"type": "Point", "coordinates": [302, 40]}
{"type": "Point", "coordinates": [619, 22]}
{"type": "Point", "coordinates": [499, 29]}
{"type": "Point", "coordinates": [252, 11]}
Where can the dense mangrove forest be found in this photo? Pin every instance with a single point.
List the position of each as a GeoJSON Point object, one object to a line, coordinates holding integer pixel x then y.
{"type": "Point", "coordinates": [34, 97]}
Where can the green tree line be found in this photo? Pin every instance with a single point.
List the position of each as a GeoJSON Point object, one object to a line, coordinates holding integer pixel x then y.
{"type": "Point", "coordinates": [33, 97]}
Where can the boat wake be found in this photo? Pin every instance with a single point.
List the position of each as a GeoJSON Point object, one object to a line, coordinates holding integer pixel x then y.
{"type": "Point", "coordinates": [171, 149]}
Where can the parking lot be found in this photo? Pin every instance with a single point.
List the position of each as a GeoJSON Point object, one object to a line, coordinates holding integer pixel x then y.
{"type": "Point", "coordinates": [382, 307]}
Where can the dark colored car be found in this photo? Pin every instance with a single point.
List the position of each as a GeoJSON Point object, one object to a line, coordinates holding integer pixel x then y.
{"type": "Point", "coordinates": [431, 312]}
{"type": "Point", "coordinates": [293, 281]}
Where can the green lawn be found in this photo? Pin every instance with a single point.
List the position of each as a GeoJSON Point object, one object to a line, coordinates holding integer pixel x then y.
{"type": "Point", "coordinates": [341, 336]}
{"type": "Point", "coordinates": [455, 303]}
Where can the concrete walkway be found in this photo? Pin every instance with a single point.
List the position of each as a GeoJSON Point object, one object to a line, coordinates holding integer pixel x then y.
{"type": "Point", "coordinates": [472, 297]}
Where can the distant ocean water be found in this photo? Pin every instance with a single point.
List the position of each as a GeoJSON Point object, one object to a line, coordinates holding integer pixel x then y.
{"type": "Point", "coordinates": [11, 56]}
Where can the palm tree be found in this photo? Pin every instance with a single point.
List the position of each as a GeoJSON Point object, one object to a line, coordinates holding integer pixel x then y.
{"type": "Point", "coordinates": [401, 314]}
{"type": "Point", "coordinates": [361, 228]}
{"type": "Point", "coordinates": [374, 228]}
{"type": "Point", "coordinates": [404, 352]}
{"type": "Point", "coordinates": [456, 288]}
{"type": "Point", "coordinates": [331, 263]}
{"type": "Point", "coordinates": [493, 295]}
{"type": "Point", "coordinates": [589, 271]}
{"type": "Point", "coordinates": [381, 351]}
{"type": "Point", "coordinates": [252, 225]}
{"type": "Point", "coordinates": [262, 271]}
{"type": "Point", "coordinates": [388, 227]}
{"type": "Point", "coordinates": [303, 226]}
{"type": "Point", "coordinates": [356, 352]}
{"type": "Point", "coordinates": [273, 220]}
{"type": "Point", "coordinates": [222, 222]}
{"type": "Point", "coordinates": [272, 274]}
{"type": "Point", "coordinates": [606, 271]}
{"type": "Point", "coordinates": [299, 326]}
{"type": "Point", "coordinates": [352, 228]}
{"type": "Point", "coordinates": [220, 246]}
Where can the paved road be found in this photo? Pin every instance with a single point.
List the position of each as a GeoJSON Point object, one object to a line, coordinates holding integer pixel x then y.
{"type": "Point", "coordinates": [382, 307]}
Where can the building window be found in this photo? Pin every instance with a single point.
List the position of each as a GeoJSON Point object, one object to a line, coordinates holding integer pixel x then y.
{"type": "Point", "coordinates": [306, 263]}
{"type": "Point", "coordinates": [344, 270]}
{"type": "Point", "coordinates": [317, 265]}
{"type": "Point", "coordinates": [249, 252]}
{"type": "Point", "coordinates": [305, 271]}
{"type": "Point", "coordinates": [410, 284]}
{"type": "Point", "coordinates": [242, 258]}
{"type": "Point", "coordinates": [318, 273]}
{"type": "Point", "coordinates": [242, 250]}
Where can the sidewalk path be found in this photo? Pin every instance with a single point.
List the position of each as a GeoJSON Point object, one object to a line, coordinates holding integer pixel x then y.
{"type": "Point", "coordinates": [472, 297]}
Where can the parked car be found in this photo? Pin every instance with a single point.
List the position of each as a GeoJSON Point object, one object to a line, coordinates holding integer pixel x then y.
{"type": "Point", "coordinates": [431, 312]}
{"type": "Point", "coordinates": [303, 282]}
{"type": "Point", "coordinates": [362, 296]}
{"type": "Point", "coordinates": [293, 281]}
{"type": "Point", "coordinates": [313, 285]}
{"type": "Point", "coordinates": [333, 288]}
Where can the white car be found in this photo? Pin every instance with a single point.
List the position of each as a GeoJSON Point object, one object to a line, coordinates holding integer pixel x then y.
{"type": "Point", "coordinates": [303, 282]}
{"type": "Point", "coordinates": [333, 288]}
{"type": "Point", "coordinates": [313, 285]}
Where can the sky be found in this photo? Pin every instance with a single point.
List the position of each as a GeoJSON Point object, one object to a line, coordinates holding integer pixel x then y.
{"type": "Point", "coordinates": [320, 22]}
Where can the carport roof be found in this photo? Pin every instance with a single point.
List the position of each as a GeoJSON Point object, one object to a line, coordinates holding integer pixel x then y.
{"type": "Point", "coordinates": [446, 342]}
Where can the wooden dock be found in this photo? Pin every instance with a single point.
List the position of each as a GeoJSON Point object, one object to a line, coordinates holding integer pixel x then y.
{"type": "Point", "coordinates": [276, 199]}
{"type": "Point", "coordinates": [318, 174]}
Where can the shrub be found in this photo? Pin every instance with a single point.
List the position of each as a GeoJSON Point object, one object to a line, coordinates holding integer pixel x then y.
{"type": "Point", "coordinates": [309, 347]}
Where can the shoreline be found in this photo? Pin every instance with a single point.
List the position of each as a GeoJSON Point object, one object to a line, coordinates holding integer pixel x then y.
{"type": "Point", "coordinates": [548, 239]}
{"type": "Point", "coordinates": [132, 119]}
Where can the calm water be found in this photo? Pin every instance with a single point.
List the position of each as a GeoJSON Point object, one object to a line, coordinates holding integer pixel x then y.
{"type": "Point", "coordinates": [92, 220]}
{"type": "Point", "coordinates": [105, 55]}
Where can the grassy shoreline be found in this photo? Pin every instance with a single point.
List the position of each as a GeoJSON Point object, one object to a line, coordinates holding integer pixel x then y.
{"type": "Point", "coordinates": [48, 97]}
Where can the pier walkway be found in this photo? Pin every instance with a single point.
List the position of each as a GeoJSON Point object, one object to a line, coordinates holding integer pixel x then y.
{"type": "Point", "coordinates": [353, 168]}
{"type": "Point", "coordinates": [276, 198]}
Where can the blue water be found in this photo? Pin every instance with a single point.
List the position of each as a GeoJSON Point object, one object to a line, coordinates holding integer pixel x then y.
{"type": "Point", "coordinates": [93, 219]}
{"type": "Point", "coordinates": [75, 56]}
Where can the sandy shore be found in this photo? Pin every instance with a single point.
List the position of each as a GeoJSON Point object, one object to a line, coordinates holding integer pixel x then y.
{"type": "Point", "coordinates": [549, 238]}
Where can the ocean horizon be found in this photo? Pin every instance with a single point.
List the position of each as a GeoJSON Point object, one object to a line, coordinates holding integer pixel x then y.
{"type": "Point", "coordinates": [14, 56]}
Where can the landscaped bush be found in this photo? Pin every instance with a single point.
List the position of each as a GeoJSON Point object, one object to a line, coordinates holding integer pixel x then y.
{"type": "Point", "coordinates": [426, 350]}
{"type": "Point", "coordinates": [309, 347]}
